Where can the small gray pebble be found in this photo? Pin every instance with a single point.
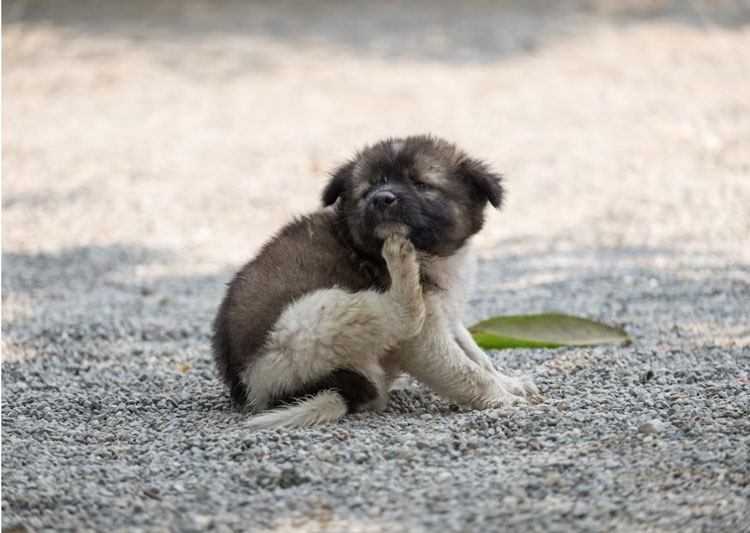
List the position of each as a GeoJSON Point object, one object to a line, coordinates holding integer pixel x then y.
{"type": "Point", "coordinates": [652, 426]}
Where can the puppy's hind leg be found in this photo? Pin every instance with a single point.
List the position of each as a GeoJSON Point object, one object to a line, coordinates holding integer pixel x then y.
{"type": "Point", "coordinates": [327, 349]}
{"type": "Point", "coordinates": [406, 289]}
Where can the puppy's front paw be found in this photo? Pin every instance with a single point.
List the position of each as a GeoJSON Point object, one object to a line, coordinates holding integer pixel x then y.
{"type": "Point", "coordinates": [523, 387]}
{"type": "Point", "coordinates": [503, 399]}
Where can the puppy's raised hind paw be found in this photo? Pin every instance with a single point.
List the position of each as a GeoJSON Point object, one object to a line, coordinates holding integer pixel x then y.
{"type": "Point", "coordinates": [401, 259]}
{"type": "Point", "coordinates": [406, 291]}
{"type": "Point", "coordinates": [398, 250]}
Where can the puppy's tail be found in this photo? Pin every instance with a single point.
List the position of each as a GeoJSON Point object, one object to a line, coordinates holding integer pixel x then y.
{"type": "Point", "coordinates": [325, 406]}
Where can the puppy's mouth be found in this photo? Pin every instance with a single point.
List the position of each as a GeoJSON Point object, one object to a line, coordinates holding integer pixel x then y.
{"type": "Point", "coordinates": [389, 228]}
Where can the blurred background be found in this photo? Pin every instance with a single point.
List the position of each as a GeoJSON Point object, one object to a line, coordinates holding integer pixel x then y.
{"type": "Point", "coordinates": [201, 126]}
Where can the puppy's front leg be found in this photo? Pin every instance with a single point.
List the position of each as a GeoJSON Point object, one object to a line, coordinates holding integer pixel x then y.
{"type": "Point", "coordinates": [470, 348]}
{"type": "Point", "coordinates": [520, 386]}
{"type": "Point", "coordinates": [436, 359]}
{"type": "Point", "coordinates": [332, 329]}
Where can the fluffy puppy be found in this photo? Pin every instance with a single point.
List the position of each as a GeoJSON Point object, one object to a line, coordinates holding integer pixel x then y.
{"type": "Point", "coordinates": [342, 301]}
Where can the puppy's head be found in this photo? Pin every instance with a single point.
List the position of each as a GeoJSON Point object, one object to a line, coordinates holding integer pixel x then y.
{"type": "Point", "coordinates": [421, 186]}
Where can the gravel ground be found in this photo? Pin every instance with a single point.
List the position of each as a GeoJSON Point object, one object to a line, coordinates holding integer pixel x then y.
{"type": "Point", "coordinates": [150, 147]}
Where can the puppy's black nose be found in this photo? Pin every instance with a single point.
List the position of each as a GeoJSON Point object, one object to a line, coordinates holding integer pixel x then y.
{"type": "Point", "coordinates": [382, 200]}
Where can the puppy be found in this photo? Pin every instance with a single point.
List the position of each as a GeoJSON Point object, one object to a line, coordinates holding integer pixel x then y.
{"type": "Point", "coordinates": [342, 301]}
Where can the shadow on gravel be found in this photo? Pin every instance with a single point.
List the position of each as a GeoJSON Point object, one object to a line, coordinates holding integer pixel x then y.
{"type": "Point", "coordinates": [73, 269]}
{"type": "Point", "coordinates": [98, 309]}
{"type": "Point", "coordinates": [451, 32]}
{"type": "Point", "coordinates": [617, 284]}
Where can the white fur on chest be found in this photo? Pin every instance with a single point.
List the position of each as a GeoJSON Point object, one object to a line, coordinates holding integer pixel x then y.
{"type": "Point", "coordinates": [454, 277]}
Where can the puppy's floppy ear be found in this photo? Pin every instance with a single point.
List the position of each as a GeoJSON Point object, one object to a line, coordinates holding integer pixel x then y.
{"type": "Point", "coordinates": [336, 184]}
{"type": "Point", "coordinates": [484, 181]}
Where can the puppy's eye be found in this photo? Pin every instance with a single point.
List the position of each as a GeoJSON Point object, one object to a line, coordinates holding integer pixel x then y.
{"type": "Point", "coordinates": [422, 185]}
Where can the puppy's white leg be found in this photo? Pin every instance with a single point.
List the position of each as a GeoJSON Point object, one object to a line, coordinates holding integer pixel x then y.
{"type": "Point", "coordinates": [470, 348]}
{"type": "Point", "coordinates": [436, 359]}
{"type": "Point", "coordinates": [520, 386]}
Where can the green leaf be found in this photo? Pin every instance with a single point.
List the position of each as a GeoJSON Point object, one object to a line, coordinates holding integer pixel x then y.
{"type": "Point", "coordinates": [545, 330]}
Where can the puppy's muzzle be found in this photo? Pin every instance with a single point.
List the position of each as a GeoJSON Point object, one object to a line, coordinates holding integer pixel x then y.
{"type": "Point", "coordinates": [385, 208]}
